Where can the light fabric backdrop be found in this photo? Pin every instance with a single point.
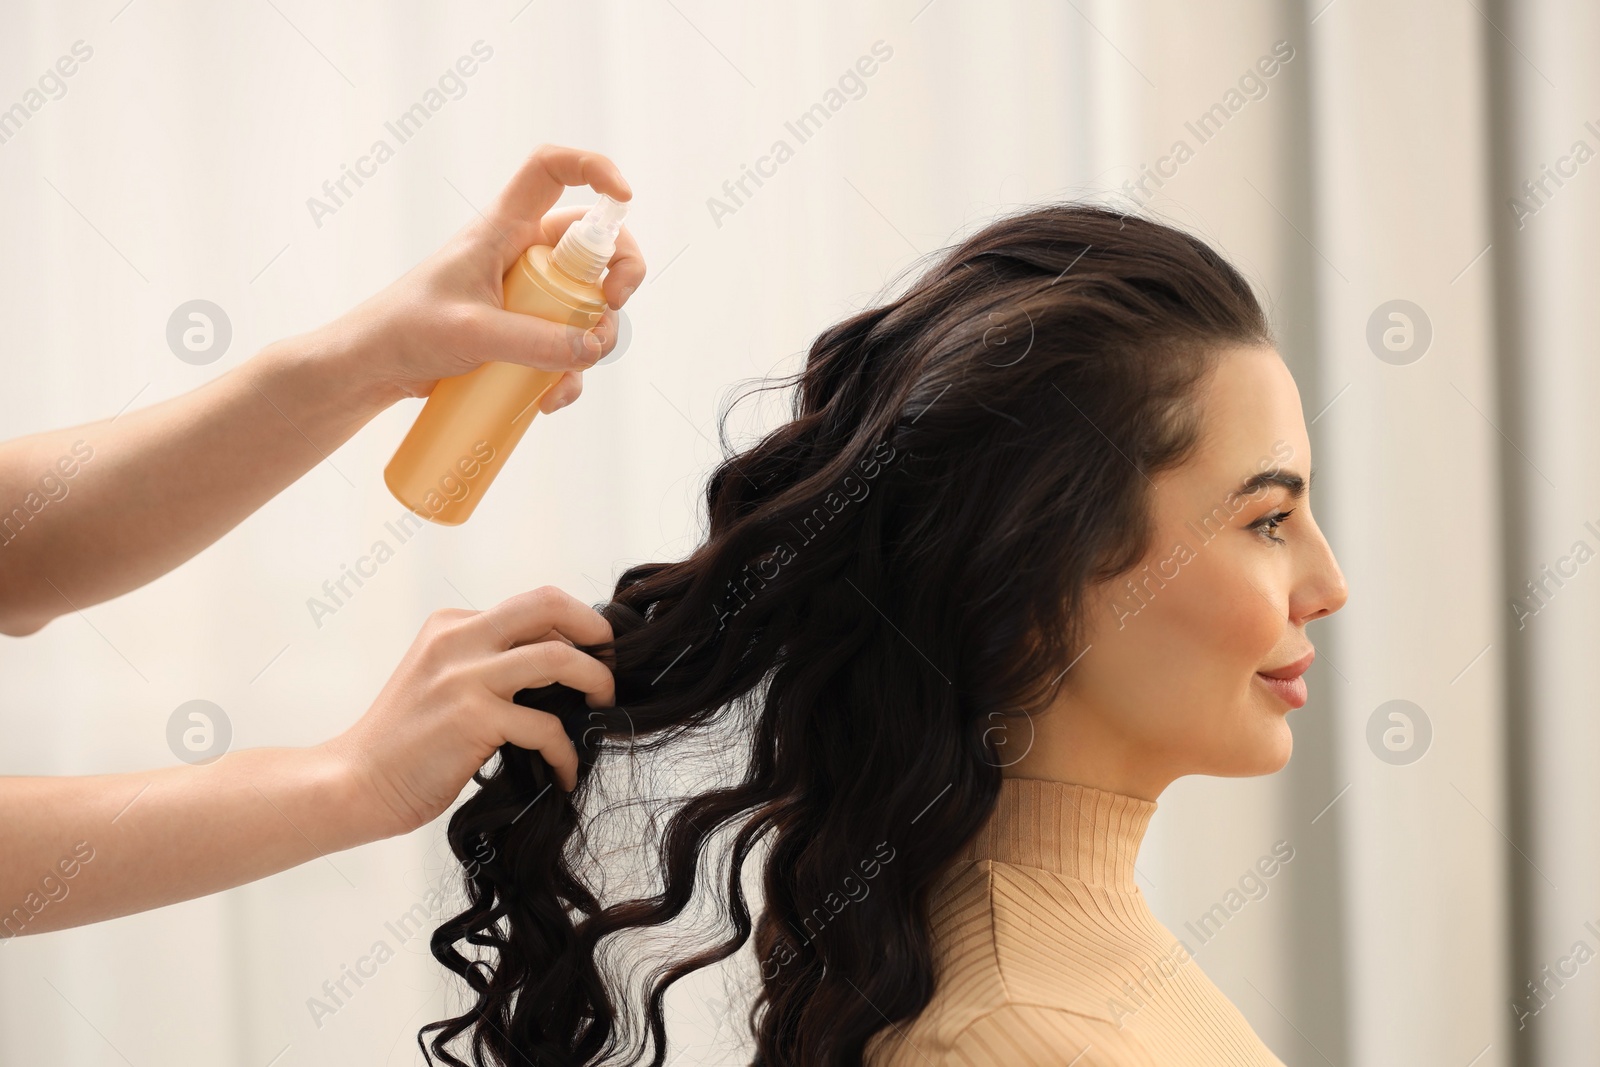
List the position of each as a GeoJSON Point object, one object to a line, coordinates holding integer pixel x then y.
{"type": "Point", "coordinates": [1385, 160]}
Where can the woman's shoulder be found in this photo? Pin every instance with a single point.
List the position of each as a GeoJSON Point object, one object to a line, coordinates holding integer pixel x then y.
{"type": "Point", "coordinates": [1015, 1035]}
{"type": "Point", "coordinates": [998, 970]}
{"type": "Point", "coordinates": [1034, 968]}
{"type": "Point", "coordinates": [1009, 934]}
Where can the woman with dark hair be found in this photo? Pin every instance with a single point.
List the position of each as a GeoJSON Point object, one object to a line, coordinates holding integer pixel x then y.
{"type": "Point", "coordinates": [1036, 542]}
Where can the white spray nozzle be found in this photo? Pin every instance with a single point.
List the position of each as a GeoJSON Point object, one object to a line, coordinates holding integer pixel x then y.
{"type": "Point", "coordinates": [588, 245]}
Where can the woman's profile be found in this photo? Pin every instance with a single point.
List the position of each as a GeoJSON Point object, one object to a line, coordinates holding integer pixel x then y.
{"type": "Point", "coordinates": [1036, 542]}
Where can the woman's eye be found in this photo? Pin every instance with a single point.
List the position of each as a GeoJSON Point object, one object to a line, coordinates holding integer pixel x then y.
{"type": "Point", "coordinates": [1267, 524]}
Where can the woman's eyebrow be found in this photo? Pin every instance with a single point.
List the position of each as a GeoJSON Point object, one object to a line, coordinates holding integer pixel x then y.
{"type": "Point", "coordinates": [1296, 485]}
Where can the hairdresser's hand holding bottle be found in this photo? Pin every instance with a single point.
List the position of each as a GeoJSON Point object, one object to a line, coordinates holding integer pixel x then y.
{"type": "Point", "coordinates": [444, 318]}
{"type": "Point", "coordinates": [172, 478]}
{"type": "Point", "coordinates": [129, 842]}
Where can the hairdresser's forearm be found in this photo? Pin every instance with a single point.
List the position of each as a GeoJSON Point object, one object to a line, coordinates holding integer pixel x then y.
{"type": "Point", "coordinates": [152, 487]}
{"type": "Point", "coordinates": [80, 850]}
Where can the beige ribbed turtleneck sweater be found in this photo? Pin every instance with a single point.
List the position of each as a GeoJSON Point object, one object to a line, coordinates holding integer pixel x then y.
{"type": "Point", "coordinates": [1048, 953]}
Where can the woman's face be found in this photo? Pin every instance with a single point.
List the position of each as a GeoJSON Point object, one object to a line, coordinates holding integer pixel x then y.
{"type": "Point", "coordinates": [1169, 680]}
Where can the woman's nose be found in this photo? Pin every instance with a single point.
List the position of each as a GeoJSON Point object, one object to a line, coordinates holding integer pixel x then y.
{"type": "Point", "coordinates": [1325, 591]}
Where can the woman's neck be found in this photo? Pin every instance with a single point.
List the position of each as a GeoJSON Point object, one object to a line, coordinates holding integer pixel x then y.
{"type": "Point", "coordinates": [1077, 831]}
{"type": "Point", "coordinates": [1063, 744]}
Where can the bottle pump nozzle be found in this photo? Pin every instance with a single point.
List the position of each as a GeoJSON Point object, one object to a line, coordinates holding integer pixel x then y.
{"type": "Point", "coordinates": [588, 245]}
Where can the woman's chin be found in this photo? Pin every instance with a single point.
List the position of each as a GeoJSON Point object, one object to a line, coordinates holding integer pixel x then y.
{"type": "Point", "coordinates": [1275, 754]}
{"type": "Point", "coordinates": [1266, 753]}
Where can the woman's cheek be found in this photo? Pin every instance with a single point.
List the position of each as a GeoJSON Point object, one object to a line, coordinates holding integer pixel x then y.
{"type": "Point", "coordinates": [1229, 601]}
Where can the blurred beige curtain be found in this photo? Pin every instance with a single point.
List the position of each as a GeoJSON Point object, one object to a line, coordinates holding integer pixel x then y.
{"type": "Point", "coordinates": [1546, 117]}
{"type": "Point", "coordinates": [1403, 182]}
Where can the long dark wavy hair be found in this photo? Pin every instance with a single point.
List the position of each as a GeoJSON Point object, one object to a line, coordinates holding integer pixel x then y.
{"type": "Point", "coordinates": [889, 582]}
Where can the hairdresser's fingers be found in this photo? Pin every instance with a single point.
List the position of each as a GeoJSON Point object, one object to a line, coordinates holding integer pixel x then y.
{"type": "Point", "coordinates": [526, 617]}
{"type": "Point", "coordinates": [547, 663]}
{"type": "Point", "coordinates": [553, 635]}
{"type": "Point", "coordinates": [564, 392]}
{"type": "Point", "coordinates": [448, 615]}
{"type": "Point", "coordinates": [556, 222]}
{"type": "Point", "coordinates": [520, 208]}
{"type": "Point", "coordinates": [512, 337]}
{"type": "Point", "coordinates": [541, 732]}
{"type": "Point", "coordinates": [625, 272]}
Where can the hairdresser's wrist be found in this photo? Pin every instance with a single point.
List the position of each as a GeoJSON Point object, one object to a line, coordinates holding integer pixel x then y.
{"type": "Point", "coordinates": [316, 791]}
{"type": "Point", "coordinates": [328, 373]}
{"type": "Point", "coordinates": [348, 359]}
{"type": "Point", "coordinates": [367, 809]}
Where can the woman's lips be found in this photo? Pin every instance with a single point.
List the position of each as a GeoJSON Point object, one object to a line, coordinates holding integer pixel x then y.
{"type": "Point", "coordinates": [1288, 681]}
{"type": "Point", "coordinates": [1291, 691]}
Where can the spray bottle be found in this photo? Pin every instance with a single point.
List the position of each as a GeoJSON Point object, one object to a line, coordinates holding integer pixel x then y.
{"type": "Point", "coordinates": [470, 424]}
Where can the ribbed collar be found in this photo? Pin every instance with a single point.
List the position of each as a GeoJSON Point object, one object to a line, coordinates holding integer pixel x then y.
{"type": "Point", "coordinates": [1074, 830]}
